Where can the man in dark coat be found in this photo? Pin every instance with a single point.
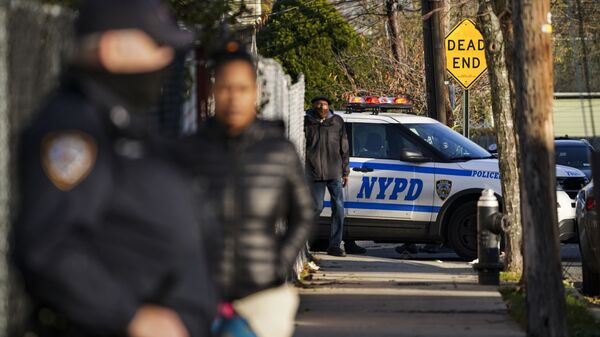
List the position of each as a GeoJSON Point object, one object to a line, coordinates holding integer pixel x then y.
{"type": "Point", "coordinates": [107, 239]}
{"type": "Point", "coordinates": [328, 167]}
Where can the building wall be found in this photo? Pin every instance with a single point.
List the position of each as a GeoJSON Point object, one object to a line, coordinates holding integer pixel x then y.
{"type": "Point", "coordinates": [571, 120]}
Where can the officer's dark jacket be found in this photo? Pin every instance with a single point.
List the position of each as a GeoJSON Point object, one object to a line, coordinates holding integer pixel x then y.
{"type": "Point", "coordinates": [327, 151]}
{"type": "Point", "coordinates": [255, 181]}
{"type": "Point", "coordinates": [125, 236]}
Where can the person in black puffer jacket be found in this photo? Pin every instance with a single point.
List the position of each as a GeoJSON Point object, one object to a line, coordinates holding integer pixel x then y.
{"type": "Point", "coordinates": [255, 179]}
{"type": "Point", "coordinates": [328, 167]}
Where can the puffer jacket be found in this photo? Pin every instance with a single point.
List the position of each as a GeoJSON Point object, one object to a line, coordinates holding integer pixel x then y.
{"type": "Point", "coordinates": [327, 150]}
{"type": "Point", "coordinates": [255, 181]}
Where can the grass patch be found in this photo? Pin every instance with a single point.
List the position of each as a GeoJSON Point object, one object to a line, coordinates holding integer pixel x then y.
{"type": "Point", "coordinates": [581, 323]}
{"type": "Point", "coordinates": [510, 277]}
{"type": "Point", "coordinates": [595, 301]}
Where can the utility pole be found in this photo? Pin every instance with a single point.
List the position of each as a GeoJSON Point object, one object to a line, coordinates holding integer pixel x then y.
{"type": "Point", "coordinates": [435, 60]}
{"type": "Point", "coordinates": [392, 23]}
{"type": "Point", "coordinates": [533, 80]}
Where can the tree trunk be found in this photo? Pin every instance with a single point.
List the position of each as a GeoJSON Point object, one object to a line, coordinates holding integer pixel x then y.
{"type": "Point", "coordinates": [505, 132]}
{"type": "Point", "coordinates": [392, 23]}
{"type": "Point", "coordinates": [503, 10]}
{"type": "Point", "coordinates": [534, 93]}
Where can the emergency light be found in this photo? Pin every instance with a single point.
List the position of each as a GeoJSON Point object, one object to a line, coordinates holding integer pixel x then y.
{"type": "Point", "coordinates": [375, 104]}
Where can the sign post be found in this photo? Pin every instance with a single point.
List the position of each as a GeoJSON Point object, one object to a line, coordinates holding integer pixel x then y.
{"type": "Point", "coordinates": [466, 132]}
{"type": "Point", "coordinates": [465, 60]}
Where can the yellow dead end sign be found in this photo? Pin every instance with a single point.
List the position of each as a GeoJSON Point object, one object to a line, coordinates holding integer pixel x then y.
{"type": "Point", "coordinates": [465, 53]}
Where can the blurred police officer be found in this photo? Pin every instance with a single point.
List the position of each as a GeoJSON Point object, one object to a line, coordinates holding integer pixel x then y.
{"type": "Point", "coordinates": [107, 239]}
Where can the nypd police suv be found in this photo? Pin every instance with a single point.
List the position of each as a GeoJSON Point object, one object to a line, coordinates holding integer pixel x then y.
{"type": "Point", "coordinates": [413, 179]}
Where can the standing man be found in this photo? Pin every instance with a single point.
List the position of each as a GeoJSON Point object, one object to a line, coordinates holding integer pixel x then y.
{"type": "Point", "coordinates": [328, 166]}
{"type": "Point", "coordinates": [107, 239]}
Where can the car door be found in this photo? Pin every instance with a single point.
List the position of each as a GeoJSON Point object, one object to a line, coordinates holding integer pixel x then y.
{"type": "Point", "coordinates": [381, 186]}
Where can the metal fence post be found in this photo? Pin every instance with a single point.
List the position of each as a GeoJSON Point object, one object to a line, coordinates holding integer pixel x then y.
{"type": "Point", "coordinates": [5, 186]}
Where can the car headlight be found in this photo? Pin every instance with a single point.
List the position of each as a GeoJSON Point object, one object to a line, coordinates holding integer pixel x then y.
{"type": "Point", "coordinates": [559, 186]}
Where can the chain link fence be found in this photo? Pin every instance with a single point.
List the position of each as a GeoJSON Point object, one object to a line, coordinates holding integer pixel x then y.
{"type": "Point", "coordinates": [34, 39]}
{"type": "Point", "coordinates": [284, 100]}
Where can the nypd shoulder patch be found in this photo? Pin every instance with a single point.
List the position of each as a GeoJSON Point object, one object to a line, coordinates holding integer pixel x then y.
{"type": "Point", "coordinates": [68, 158]}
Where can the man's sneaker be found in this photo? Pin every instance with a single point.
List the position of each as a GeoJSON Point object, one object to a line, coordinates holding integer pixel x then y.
{"type": "Point", "coordinates": [336, 251]}
{"type": "Point", "coordinates": [353, 248]}
{"type": "Point", "coordinates": [410, 248]}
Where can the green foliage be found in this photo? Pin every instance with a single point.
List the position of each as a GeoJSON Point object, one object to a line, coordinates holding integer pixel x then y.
{"type": "Point", "coordinates": [569, 57]}
{"type": "Point", "coordinates": [510, 277]}
{"type": "Point", "coordinates": [205, 16]}
{"type": "Point", "coordinates": [309, 37]}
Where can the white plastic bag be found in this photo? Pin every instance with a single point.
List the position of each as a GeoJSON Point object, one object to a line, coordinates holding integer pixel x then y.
{"type": "Point", "coordinates": [272, 312]}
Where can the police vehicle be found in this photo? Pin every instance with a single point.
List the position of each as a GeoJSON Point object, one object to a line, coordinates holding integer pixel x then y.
{"type": "Point", "coordinates": [413, 179]}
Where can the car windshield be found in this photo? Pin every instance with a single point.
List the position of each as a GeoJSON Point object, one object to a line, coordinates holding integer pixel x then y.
{"type": "Point", "coordinates": [573, 156]}
{"type": "Point", "coordinates": [450, 143]}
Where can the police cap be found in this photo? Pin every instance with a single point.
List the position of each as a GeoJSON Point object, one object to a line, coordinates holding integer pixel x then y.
{"type": "Point", "coordinates": [151, 16]}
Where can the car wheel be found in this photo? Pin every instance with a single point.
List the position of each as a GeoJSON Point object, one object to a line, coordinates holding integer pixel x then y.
{"type": "Point", "coordinates": [591, 279]}
{"type": "Point", "coordinates": [462, 231]}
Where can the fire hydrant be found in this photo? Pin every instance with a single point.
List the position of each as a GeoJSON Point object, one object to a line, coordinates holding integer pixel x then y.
{"type": "Point", "coordinates": [490, 223]}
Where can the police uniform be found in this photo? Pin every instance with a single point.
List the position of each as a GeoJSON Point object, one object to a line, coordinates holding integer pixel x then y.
{"type": "Point", "coordinates": [107, 222]}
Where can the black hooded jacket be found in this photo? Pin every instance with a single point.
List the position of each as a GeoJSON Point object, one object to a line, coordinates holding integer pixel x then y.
{"type": "Point", "coordinates": [327, 150]}
{"type": "Point", "coordinates": [255, 182]}
{"type": "Point", "coordinates": [126, 234]}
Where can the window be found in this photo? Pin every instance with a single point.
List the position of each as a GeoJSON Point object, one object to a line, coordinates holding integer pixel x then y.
{"type": "Point", "coordinates": [369, 141]}
{"type": "Point", "coordinates": [450, 143]}
{"type": "Point", "coordinates": [378, 141]}
{"type": "Point", "coordinates": [573, 156]}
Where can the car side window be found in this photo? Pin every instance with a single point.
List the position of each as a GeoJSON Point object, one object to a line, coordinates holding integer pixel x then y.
{"type": "Point", "coordinates": [378, 141]}
{"type": "Point", "coordinates": [370, 141]}
{"type": "Point", "coordinates": [399, 142]}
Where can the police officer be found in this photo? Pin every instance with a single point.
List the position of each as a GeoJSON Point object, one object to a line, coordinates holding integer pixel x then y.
{"type": "Point", "coordinates": [107, 239]}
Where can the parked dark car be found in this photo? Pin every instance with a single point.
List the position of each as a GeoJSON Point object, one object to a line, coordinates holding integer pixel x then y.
{"type": "Point", "coordinates": [589, 240]}
{"type": "Point", "coordinates": [574, 153]}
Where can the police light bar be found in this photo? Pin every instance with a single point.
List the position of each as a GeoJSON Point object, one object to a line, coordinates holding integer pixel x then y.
{"type": "Point", "coordinates": [375, 104]}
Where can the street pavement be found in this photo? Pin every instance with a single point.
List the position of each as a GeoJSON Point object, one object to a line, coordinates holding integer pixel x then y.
{"type": "Point", "coordinates": [384, 294]}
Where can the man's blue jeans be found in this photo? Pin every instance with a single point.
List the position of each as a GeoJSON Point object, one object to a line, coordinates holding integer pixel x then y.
{"type": "Point", "coordinates": [336, 190]}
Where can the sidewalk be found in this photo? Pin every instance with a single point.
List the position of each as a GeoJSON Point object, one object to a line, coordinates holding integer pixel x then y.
{"type": "Point", "coordinates": [361, 296]}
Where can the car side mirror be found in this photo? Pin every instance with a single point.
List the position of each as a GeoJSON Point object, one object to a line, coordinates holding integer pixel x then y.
{"type": "Point", "coordinates": [414, 156]}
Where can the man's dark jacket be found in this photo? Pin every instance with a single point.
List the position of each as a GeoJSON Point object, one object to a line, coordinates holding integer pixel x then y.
{"type": "Point", "coordinates": [327, 151]}
{"type": "Point", "coordinates": [126, 235]}
{"type": "Point", "coordinates": [256, 181]}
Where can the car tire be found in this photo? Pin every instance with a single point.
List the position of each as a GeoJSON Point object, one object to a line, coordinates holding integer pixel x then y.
{"type": "Point", "coordinates": [462, 231]}
{"type": "Point", "coordinates": [590, 284]}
